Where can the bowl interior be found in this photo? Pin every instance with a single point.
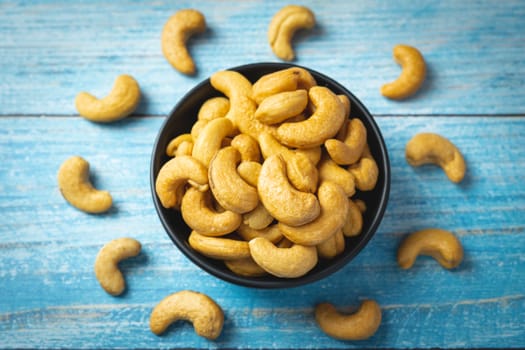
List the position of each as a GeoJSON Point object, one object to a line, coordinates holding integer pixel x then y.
{"type": "Point", "coordinates": [184, 115]}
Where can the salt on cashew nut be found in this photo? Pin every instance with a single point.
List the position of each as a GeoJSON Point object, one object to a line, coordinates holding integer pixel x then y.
{"type": "Point", "coordinates": [218, 247]}
{"type": "Point", "coordinates": [334, 209]}
{"type": "Point", "coordinates": [198, 213]}
{"type": "Point", "coordinates": [426, 148]}
{"type": "Point", "coordinates": [412, 75]}
{"type": "Point", "coordinates": [440, 244]}
{"type": "Point", "coordinates": [281, 199]}
{"type": "Point", "coordinates": [291, 262]}
{"type": "Point", "coordinates": [121, 101]}
{"type": "Point", "coordinates": [210, 139]}
{"type": "Point", "coordinates": [203, 312]}
{"type": "Point", "coordinates": [77, 190]}
{"type": "Point", "coordinates": [284, 24]}
{"type": "Point", "coordinates": [326, 121]}
{"type": "Point", "coordinates": [360, 325]}
{"type": "Point", "coordinates": [279, 107]}
{"type": "Point", "coordinates": [289, 79]}
{"type": "Point", "coordinates": [175, 174]}
{"type": "Point", "coordinates": [348, 150]}
{"type": "Point", "coordinates": [213, 108]}
{"type": "Point", "coordinates": [176, 32]}
{"type": "Point", "coordinates": [107, 272]}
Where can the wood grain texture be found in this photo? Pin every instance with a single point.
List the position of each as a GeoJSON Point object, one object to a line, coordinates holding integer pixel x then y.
{"type": "Point", "coordinates": [49, 296]}
{"type": "Point", "coordinates": [51, 50]}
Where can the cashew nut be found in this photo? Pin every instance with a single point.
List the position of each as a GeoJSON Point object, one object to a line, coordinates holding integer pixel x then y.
{"type": "Point", "coordinates": [412, 74]}
{"type": "Point", "coordinates": [248, 147]}
{"type": "Point", "coordinates": [271, 233]}
{"type": "Point", "coordinates": [259, 218]}
{"type": "Point", "coordinates": [249, 172]}
{"type": "Point", "coordinates": [354, 219]}
{"type": "Point", "coordinates": [279, 107]}
{"type": "Point", "coordinates": [122, 100]}
{"type": "Point", "coordinates": [230, 190]}
{"type": "Point", "coordinates": [348, 150]}
{"type": "Point", "coordinates": [365, 171]}
{"type": "Point", "coordinates": [210, 139]}
{"type": "Point", "coordinates": [425, 148]}
{"type": "Point", "coordinates": [198, 213]}
{"type": "Point", "coordinates": [213, 108]}
{"type": "Point", "coordinates": [334, 209]}
{"type": "Point", "coordinates": [289, 79]}
{"type": "Point", "coordinates": [332, 247]}
{"type": "Point", "coordinates": [219, 247]}
{"type": "Point", "coordinates": [185, 149]}
{"type": "Point", "coordinates": [440, 244]}
{"type": "Point", "coordinates": [283, 26]}
{"type": "Point", "coordinates": [175, 33]}
{"type": "Point", "coordinates": [106, 264]}
{"type": "Point", "coordinates": [245, 267]}
{"type": "Point", "coordinates": [174, 175]}
{"type": "Point", "coordinates": [326, 121]}
{"type": "Point", "coordinates": [175, 143]}
{"type": "Point", "coordinates": [361, 205]}
{"type": "Point", "coordinates": [77, 190]}
{"type": "Point", "coordinates": [330, 171]}
{"type": "Point", "coordinates": [360, 325]}
{"type": "Point", "coordinates": [206, 316]}
{"type": "Point", "coordinates": [291, 262]}
{"type": "Point", "coordinates": [285, 203]}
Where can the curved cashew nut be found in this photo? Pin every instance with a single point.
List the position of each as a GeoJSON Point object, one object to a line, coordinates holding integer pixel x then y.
{"type": "Point", "coordinates": [291, 262]}
{"type": "Point", "coordinates": [360, 325]}
{"type": "Point", "coordinates": [259, 218]}
{"type": "Point", "coordinates": [174, 175]}
{"type": "Point", "coordinates": [289, 79]}
{"type": "Point", "coordinates": [175, 33]}
{"type": "Point", "coordinates": [440, 244]}
{"type": "Point", "coordinates": [206, 316]}
{"type": "Point", "coordinates": [283, 26]}
{"type": "Point", "coordinates": [354, 219]}
{"type": "Point", "coordinates": [230, 190]}
{"type": "Point", "coordinates": [332, 247]}
{"type": "Point", "coordinates": [175, 143]}
{"type": "Point", "coordinates": [425, 148]}
{"type": "Point", "coordinates": [210, 139]}
{"type": "Point", "coordinates": [334, 209]}
{"type": "Point", "coordinates": [365, 171]}
{"type": "Point", "coordinates": [106, 264]}
{"type": "Point", "coordinates": [249, 172]}
{"type": "Point", "coordinates": [122, 100]}
{"type": "Point", "coordinates": [412, 74]}
{"type": "Point", "coordinates": [285, 203]}
{"type": "Point", "coordinates": [279, 107]}
{"type": "Point", "coordinates": [219, 247]}
{"type": "Point", "coordinates": [326, 121]}
{"type": "Point", "coordinates": [248, 147]}
{"type": "Point", "coordinates": [330, 171]}
{"type": "Point", "coordinates": [198, 213]}
{"type": "Point", "coordinates": [245, 267]}
{"type": "Point", "coordinates": [74, 184]}
{"type": "Point", "coordinates": [213, 108]}
{"type": "Point", "coordinates": [271, 233]}
{"type": "Point", "coordinates": [349, 149]}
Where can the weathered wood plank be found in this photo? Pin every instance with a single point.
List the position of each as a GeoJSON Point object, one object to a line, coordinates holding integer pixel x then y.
{"type": "Point", "coordinates": [50, 298]}
{"type": "Point", "coordinates": [52, 50]}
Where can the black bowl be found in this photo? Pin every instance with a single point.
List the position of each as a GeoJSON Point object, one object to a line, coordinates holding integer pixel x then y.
{"type": "Point", "coordinates": [181, 119]}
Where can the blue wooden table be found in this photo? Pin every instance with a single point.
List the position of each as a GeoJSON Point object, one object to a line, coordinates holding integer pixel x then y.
{"type": "Point", "coordinates": [474, 95]}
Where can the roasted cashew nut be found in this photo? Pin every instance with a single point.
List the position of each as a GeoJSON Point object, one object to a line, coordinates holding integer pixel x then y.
{"type": "Point", "coordinates": [330, 171]}
{"type": "Point", "coordinates": [279, 107]}
{"type": "Point", "coordinates": [248, 147]}
{"type": "Point", "coordinates": [213, 108]}
{"type": "Point", "coordinates": [326, 121]}
{"type": "Point", "coordinates": [175, 33]}
{"type": "Point", "coordinates": [205, 314]}
{"type": "Point", "coordinates": [348, 150]}
{"type": "Point", "coordinates": [281, 199]}
{"type": "Point", "coordinates": [426, 148]}
{"type": "Point", "coordinates": [412, 75]}
{"type": "Point", "coordinates": [332, 247]}
{"type": "Point", "coordinates": [77, 190]}
{"type": "Point", "coordinates": [289, 79]}
{"type": "Point", "coordinates": [334, 209]}
{"type": "Point", "coordinates": [175, 143]}
{"type": "Point", "coordinates": [107, 272]}
{"type": "Point", "coordinates": [440, 244]}
{"type": "Point", "coordinates": [198, 213]}
{"type": "Point", "coordinates": [354, 219]}
{"type": "Point", "coordinates": [249, 172]}
{"type": "Point", "coordinates": [291, 262]}
{"type": "Point", "coordinates": [175, 174]}
{"type": "Point", "coordinates": [122, 100]}
{"type": "Point", "coordinates": [271, 233]}
{"type": "Point", "coordinates": [365, 172]}
{"type": "Point", "coordinates": [210, 139]}
{"type": "Point", "coordinates": [360, 325]}
{"type": "Point", "coordinates": [245, 267]}
{"type": "Point", "coordinates": [259, 218]}
{"type": "Point", "coordinates": [283, 26]}
{"type": "Point", "coordinates": [219, 247]}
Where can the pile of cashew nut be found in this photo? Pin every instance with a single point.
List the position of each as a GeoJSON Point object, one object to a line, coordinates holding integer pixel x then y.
{"type": "Point", "coordinates": [265, 178]}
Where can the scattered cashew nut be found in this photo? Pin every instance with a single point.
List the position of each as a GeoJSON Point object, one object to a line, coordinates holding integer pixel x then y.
{"type": "Point", "coordinates": [205, 314]}
{"type": "Point", "coordinates": [425, 148]}
{"type": "Point", "coordinates": [122, 100]}
{"type": "Point", "coordinates": [412, 75]}
{"type": "Point", "coordinates": [74, 184]}
{"type": "Point", "coordinates": [283, 26]}
{"type": "Point", "coordinates": [106, 264]}
{"type": "Point", "coordinates": [360, 325]}
{"type": "Point", "coordinates": [175, 33]}
{"type": "Point", "coordinates": [440, 244]}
